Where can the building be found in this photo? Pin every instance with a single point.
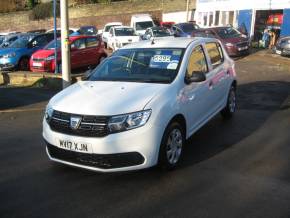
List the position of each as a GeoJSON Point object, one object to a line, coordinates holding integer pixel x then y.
{"type": "Point", "coordinates": [252, 15]}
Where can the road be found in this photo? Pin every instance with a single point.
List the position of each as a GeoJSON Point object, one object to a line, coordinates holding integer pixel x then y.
{"type": "Point", "coordinates": [236, 168]}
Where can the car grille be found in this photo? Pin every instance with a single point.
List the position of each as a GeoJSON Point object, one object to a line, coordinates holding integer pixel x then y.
{"type": "Point", "coordinates": [103, 161]}
{"type": "Point", "coordinates": [242, 44]}
{"type": "Point", "coordinates": [90, 126]}
{"type": "Point", "coordinates": [38, 59]}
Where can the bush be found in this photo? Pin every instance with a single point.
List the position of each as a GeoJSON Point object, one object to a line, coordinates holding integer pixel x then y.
{"type": "Point", "coordinates": [43, 11]}
{"type": "Point", "coordinates": [31, 4]}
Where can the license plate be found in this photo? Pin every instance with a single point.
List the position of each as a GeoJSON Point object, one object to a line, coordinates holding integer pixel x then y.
{"type": "Point", "coordinates": [278, 52]}
{"type": "Point", "coordinates": [36, 64]}
{"type": "Point", "coordinates": [243, 48]}
{"type": "Point", "coordinates": [75, 146]}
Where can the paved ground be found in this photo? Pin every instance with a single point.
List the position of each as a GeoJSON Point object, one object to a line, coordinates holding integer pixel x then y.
{"type": "Point", "coordinates": [239, 168]}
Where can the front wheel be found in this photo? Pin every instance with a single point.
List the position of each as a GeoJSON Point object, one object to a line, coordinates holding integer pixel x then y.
{"type": "Point", "coordinates": [23, 64]}
{"type": "Point", "coordinates": [230, 108]}
{"type": "Point", "coordinates": [171, 146]}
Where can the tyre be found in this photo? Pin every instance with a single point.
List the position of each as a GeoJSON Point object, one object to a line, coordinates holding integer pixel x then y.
{"type": "Point", "coordinates": [171, 147]}
{"type": "Point", "coordinates": [23, 64]}
{"type": "Point", "coordinates": [230, 108]}
{"type": "Point", "coordinates": [59, 68]}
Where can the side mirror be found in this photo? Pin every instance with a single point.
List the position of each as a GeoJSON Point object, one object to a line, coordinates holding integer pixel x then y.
{"type": "Point", "coordinates": [195, 78]}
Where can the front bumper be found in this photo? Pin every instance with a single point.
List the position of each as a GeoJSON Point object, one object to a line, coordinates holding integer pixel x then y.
{"type": "Point", "coordinates": [130, 150]}
{"type": "Point", "coordinates": [8, 63]}
{"type": "Point", "coordinates": [236, 51]}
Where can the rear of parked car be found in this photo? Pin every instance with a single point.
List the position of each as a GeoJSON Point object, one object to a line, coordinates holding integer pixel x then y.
{"type": "Point", "coordinates": [85, 51]}
{"type": "Point", "coordinates": [283, 46]}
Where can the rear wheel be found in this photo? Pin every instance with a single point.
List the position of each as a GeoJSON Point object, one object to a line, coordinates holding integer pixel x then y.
{"type": "Point", "coordinates": [230, 108]}
{"type": "Point", "coordinates": [23, 64]}
{"type": "Point", "coordinates": [171, 146]}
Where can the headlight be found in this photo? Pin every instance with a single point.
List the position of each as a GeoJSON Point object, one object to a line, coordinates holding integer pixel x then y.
{"type": "Point", "coordinates": [10, 55]}
{"type": "Point", "coordinates": [128, 121]}
{"type": "Point", "coordinates": [49, 58]}
{"type": "Point", "coordinates": [229, 44]}
{"type": "Point", "coordinates": [288, 41]}
{"type": "Point", "coordinates": [48, 113]}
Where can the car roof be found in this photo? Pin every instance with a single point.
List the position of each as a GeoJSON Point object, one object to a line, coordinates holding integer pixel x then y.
{"type": "Point", "coordinates": [121, 27]}
{"type": "Point", "coordinates": [113, 23]}
{"type": "Point", "coordinates": [168, 42]}
{"type": "Point", "coordinates": [81, 37]}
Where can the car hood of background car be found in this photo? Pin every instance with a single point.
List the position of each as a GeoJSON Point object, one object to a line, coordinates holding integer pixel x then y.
{"type": "Point", "coordinates": [43, 53]}
{"type": "Point", "coordinates": [4, 51]}
{"type": "Point", "coordinates": [235, 40]}
{"type": "Point", "coordinates": [125, 39]}
{"type": "Point", "coordinates": [105, 97]}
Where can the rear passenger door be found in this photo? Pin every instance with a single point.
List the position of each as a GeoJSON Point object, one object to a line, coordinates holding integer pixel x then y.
{"type": "Point", "coordinates": [217, 75]}
{"type": "Point", "coordinates": [78, 53]}
{"type": "Point", "coordinates": [93, 50]}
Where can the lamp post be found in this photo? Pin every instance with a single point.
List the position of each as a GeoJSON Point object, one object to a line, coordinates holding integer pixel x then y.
{"type": "Point", "coordinates": [55, 36]}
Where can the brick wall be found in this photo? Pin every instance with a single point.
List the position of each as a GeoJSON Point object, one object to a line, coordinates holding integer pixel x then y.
{"type": "Point", "coordinates": [96, 14]}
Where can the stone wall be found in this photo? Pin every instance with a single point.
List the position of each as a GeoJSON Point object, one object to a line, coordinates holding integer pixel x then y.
{"type": "Point", "coordinates": [94, 14]}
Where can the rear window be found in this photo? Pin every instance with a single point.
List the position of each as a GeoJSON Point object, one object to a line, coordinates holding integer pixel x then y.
{"type": "Point", "coordinates": [144, 25]}
{"type": "Point", "coordinates": [215, 53]}
{"type": "Point", "coordinates": [92, 42]}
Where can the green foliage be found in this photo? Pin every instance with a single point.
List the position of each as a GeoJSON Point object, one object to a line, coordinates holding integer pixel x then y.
{"type": "Point", "coordinates": [31, 4]}
{"type": "Point", "coordinates": [43, 11]}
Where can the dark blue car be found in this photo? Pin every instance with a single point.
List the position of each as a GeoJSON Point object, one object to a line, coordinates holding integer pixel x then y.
{"type": "Point", "coordinates": [184, 29]}
{"type": "Point", "coordinates": [17, 55]}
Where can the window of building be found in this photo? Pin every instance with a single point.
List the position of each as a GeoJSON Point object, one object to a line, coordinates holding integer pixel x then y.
{"type": "Point", "coordinates": [217, 18]}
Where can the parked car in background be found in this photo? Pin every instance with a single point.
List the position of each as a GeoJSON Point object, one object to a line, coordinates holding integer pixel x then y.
{"type": "Point", "coordinates": [37, 31]}
{"type": "Point", "coordinates": [139, 106]}
{"type": "Point", "coordinates": [167, 24]}
{"type": "Point", "coordinates": [9, 39]}
{"type": "Point", "coordinates": [17, 55]}
{"type": "Point", "coordinates": [141, 22]}
{"type": "Point", "coordinates": [120, 36]}
{"type": "Point", "coordinates": [85, 51]}
{"type": "Point", "coordinates": [283, 46]}
{"type": "Point", "coordinates": [184, 29]}
{"type": "Point", "coordinates": [58, 31]}
{"type": "Point", "coordinates": [156, 32]}
{"type": "Point", "coordinates": [88, 30]}
{"type": "Point", "coordinates": [235, 42]}
{"type": "Point", "coordinates": [107, 27]}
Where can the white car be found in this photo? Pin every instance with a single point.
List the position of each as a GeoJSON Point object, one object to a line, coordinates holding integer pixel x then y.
{"type": "Point", "coordinates": [141, 22]}
{"type": "Point", "coordinates": [107, 27]}
{"type": "Point", "coordinates": [138, 107]}
{"type": "Point", "coordinates": [120, 36]}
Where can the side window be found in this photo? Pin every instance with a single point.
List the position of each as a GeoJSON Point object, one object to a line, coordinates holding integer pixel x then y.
{"type": "Point", "coordinates": [79, 44]}
{"type": "Point", "coordinates": [111, 32]}
{"type": "Point", "coordinates": [39, 41]}
{"type": "Point", "coordinates": [215, 53]}
{"type": "Point", "coordinates": [197, 62]}
{"type": "Point", "coordinates": [92, 42]}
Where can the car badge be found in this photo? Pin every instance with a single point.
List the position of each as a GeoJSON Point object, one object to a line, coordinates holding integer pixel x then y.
{"type": "Point", "coordinates": [75, 122]}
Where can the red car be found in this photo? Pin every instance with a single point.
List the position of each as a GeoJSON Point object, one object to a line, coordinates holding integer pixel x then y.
{"type": "Point", "coordinates": [234, 42]}
{"type": "Point", "coordinates": [85, 51]}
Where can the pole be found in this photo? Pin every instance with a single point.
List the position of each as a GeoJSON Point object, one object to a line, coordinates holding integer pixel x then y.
{"type": "Point", "coordinates": [65, 47]}
{"type": "Point", "coordinates": [187, 10]}
{"type": "Point", "coordinates": [55, 37]}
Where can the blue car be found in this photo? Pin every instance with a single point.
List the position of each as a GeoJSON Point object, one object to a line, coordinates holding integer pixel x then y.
{"type": "Point", "coordinates": [17, 55]}
{"type": "Point", "coordinates": [184, 29]}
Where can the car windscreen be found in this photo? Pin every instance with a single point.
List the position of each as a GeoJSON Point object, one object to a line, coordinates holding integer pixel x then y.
{"type": "Point", "coordinates": [229, 32]}
{"type": "Point", "coordinates": [189, 27]}
{"type": "Point", "coordinates": [150, 65]}
{"type": "Point", "coordinates": [160, 32]}
{"type": "Point", "coordinates": [144, 25]}
{"type": "Point", "coordinates": [107, 28]}
{"type": "Point", "coordinates": [20, 42]}
{"type": "Point", "coordinates": [1, 39]}
{"type": "Point", "coordinates": [89, 30]}
{"type": "Point", "coordinates": [125, 32]}
{"type": "Point", "coordinates": [51, 45]}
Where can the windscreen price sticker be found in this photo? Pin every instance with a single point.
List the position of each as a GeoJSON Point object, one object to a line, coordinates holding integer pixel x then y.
{"type": "Point", "coordinates": [162, 58]}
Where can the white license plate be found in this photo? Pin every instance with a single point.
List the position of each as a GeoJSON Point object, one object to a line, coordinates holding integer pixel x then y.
{"type": "Point", "coordinates": [36, 64]}
{"type": "Point", "coordinates": [74, 146]}
{"type": "Point", "coordinates": [243, 48]}
{"type": "Point", "coordinates": [278, 52]}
